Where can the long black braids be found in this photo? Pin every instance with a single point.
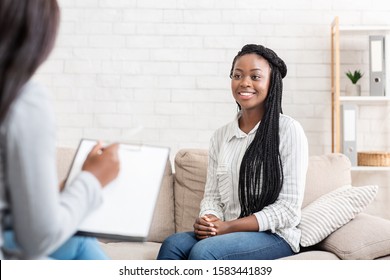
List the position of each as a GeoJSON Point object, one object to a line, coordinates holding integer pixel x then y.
{"type": "Point", "coordinates": [261, 172]}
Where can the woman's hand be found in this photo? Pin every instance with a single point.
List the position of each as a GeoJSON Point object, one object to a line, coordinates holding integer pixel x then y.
{"type": "Point", "coordinates": [209, 225]}
{"type": "Point", "coordinates": [62, 185]}
{"type": "Point", "coordinates": [222, 227]}
{"type": "Point", "coordinates": [204, 226]}
{"type": "Point", "coordinates": [103, 163]}
{"type": "Point", "coordinates": [242, 224]}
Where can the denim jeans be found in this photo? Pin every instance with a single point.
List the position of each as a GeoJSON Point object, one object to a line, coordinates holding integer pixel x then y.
{"type": "Point", "coordinates": [75, 248]}
{"type": "Point", "coordinates": [232, 246]}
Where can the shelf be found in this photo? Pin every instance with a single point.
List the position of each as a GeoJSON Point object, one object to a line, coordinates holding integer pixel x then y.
{"type": "Point", "coordinates": [363, 28]}
{"type": "Point", "coordinates": [367, 100]}
{"type": "Point", "coordinates": [370, 168]}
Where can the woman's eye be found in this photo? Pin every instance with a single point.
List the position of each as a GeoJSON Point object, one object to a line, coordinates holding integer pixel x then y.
{"type": "Point", "coordinates": [236, 76]}
{"type": "Point", "coordinates": [256, 78]}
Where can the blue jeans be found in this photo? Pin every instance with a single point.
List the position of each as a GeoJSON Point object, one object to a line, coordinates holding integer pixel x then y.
{"type": "Point", "coordinates": [232, 246]}
{"type": "Point", "coordinates": [75, 248]}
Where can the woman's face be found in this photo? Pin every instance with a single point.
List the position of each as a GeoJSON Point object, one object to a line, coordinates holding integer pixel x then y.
{"type": "Point", "coordinates": [250, 81]}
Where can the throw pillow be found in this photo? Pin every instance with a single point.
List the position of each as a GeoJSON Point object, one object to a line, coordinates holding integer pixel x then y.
{"type": "Point", "coordinates": [364, 238]}
{"type": "Point", "coordinates": [333, 210]}
{"type": "Point", "coordinates": [190, 179]}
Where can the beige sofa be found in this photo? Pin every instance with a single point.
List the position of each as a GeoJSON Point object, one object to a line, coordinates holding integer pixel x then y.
{"type": "Point", "coordinates": [365, 237]}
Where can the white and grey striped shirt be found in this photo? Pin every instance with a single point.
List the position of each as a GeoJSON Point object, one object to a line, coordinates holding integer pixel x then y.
{"type": "Point", "coordinates": [227, 148]}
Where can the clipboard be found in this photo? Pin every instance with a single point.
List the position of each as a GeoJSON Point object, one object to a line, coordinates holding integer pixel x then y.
{"type": "Point", "coordinates": [129, 201]}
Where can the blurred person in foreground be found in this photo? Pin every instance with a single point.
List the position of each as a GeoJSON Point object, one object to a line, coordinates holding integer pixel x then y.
{"type": "Point", "coordinates": [38, 217]}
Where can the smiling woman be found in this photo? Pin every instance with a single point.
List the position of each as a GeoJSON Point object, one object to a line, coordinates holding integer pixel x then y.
{"type": "Point", "coordinates": [256, 172]}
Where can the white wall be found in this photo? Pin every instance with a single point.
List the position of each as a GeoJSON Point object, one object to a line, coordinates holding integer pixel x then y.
{"type": "Point", "coordinates": [156, 72]}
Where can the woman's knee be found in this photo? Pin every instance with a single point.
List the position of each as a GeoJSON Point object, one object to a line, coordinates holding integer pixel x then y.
{"type": "Point", "coordinates": [176, 246]}
{"type": "Point", "coordinates": [174, 239]}
{"type": "Point", "coordinates": [202, 250]}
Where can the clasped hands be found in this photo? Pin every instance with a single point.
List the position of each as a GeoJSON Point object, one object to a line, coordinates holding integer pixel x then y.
{"type": "Point", "coordinates": [208, 226]}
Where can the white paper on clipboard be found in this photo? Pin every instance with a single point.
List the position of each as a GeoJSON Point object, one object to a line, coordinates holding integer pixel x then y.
{"type": "Point", "coordinates": [129, 201]}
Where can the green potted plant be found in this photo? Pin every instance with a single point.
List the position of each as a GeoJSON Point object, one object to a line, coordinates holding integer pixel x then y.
{"type": "Point", "coordinates": [353, 89]}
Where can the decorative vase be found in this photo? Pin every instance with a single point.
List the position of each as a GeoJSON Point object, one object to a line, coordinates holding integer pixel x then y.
{"type": "Point", "coordinates": [352, 90]}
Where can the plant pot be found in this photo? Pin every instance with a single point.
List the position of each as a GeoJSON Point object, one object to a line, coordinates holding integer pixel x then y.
{"type": "Point", "coordinates": [352, 90]}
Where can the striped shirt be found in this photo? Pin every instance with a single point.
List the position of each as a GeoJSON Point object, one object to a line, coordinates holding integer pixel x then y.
{"type": "Point", "coordinates": [227, 148]}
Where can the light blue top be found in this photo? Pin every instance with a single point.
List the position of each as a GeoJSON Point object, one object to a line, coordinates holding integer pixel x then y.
{"type": "Point", "coordinates": [30, 202]}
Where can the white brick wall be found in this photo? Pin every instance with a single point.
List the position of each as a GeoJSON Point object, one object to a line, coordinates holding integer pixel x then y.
{"type": "Point", "coordinates": [156, 72]}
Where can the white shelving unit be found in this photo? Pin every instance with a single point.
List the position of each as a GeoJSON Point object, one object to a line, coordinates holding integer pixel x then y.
{"type": "Point", "coordinates": [370, 168]}
{"type": "Point", "coordinates": [337, 99]}
{"type": "Point", "coordinates": [367, 100]}
{"type": "Point", "coordinates": [363, 28]}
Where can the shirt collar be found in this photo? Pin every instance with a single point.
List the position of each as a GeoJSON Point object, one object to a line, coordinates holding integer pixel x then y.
{"type": "Point", "coordinates": [235, 131]}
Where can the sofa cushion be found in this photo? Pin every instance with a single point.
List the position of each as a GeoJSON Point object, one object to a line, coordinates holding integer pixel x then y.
{"type": "Point", "coordinates": [163, 222]}
{"type": "Point", "coordinates": [312, 255]}
{"type": "Point", "coordinates": [366, 237]}
{"type": "Point", "coordinates": [326, 173]}
{"type": "Point", "coordinates": [65, 157]}
{"type": "Point", "coordinates": [131, 250]}
{"type": "Point", "coordinates": [190, 179]}
{"type": "Point", "coordinates": [333, 210]}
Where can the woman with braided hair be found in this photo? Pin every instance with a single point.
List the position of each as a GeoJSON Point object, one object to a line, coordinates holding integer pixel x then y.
{"type": "Point", "coordinates": [256, 173]}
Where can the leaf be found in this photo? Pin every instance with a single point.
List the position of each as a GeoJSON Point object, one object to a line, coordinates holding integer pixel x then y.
{"type": "Point", "coordinates": [355, 76]}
